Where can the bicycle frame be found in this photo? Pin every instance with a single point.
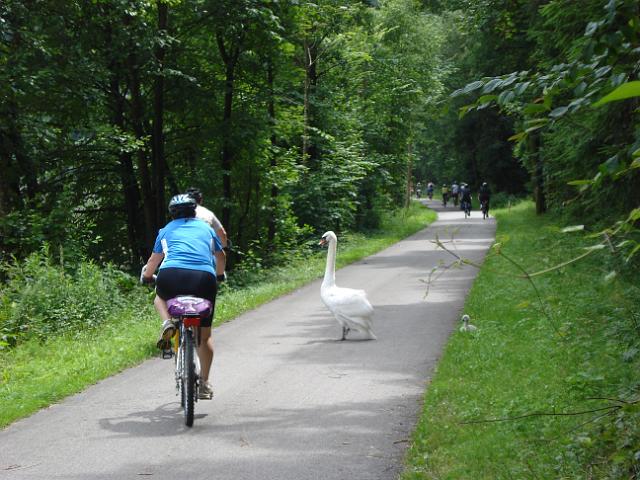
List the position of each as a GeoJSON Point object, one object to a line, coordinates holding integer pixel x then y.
{"type": "Point", "coordinates": [466, 206]}
{"type": "Point", "coordinates": [484, 206]}
{"type": "Point", "coordinates": [178, 342]}
{"type": "Point", "coordinates": [185, 345]}
{"type": "Point", "coordinates": [187, 312]}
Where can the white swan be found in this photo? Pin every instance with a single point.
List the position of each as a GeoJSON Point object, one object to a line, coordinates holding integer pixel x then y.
{"type": "Point", "coordinates": [350, 307]}
{"type": "Point", "coordinates": [466, 326]}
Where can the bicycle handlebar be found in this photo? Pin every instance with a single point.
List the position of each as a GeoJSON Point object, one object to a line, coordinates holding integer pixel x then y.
{"type": "Point", "coordinates": [145, 281]}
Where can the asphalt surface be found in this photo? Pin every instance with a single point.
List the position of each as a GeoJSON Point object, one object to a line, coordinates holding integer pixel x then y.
{"type": "Point", "coordinates": [291, 402]}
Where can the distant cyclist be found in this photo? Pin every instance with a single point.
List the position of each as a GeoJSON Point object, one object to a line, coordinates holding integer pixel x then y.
{"type": "Point", "coordinates": [484, 197]}
{"type": "Point", "coordinates": [465, 198]}
{"type": "Point", "coordinates": [455, 192]}
{"type": "Point", "coordinates": [445, 195]}
{"type": "Point", "coordinates": [430, 190]}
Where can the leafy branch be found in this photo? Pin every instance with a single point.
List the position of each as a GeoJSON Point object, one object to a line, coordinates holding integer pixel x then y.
{"type": "Point", "coordinates": [602, 74]}
{"type": "Point", "coordinates": [609, 409]}
{"type": "Point", "coordinates": [497, 251]}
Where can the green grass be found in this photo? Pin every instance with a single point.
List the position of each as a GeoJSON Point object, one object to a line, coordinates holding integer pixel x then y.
{"type": "Point", "coordinates": [522, 361]}
{"type": "Point", "coordinates": [35, 374]}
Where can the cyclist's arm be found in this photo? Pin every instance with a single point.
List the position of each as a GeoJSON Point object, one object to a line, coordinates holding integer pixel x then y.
{"type": "Point", "coordinates": [222, 235]}
{"type": "Point", "coordinates": [221, 261]}
{"type": "Point", "coordinates": [152, 265]}
{"type": "Point", "coordinates": [220, 256]}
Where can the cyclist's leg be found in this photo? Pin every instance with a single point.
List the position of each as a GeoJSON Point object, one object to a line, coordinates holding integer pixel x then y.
{"type": "Point", "coordinates": [164, 285]}
{"type": "Point", "coordinates": [168, 325]}
{"type": "Point", "coordinates": [205, 352]}
{"type": "Point", "coordinates": [205, 286]}
{"type": "Point", "coordinates": [161, 308]}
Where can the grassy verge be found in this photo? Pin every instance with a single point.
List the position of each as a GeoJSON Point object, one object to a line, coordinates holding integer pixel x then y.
{"type": "Point", "coordinates": [35, 374]}
{"type": "Point", "coordinates": [533, 394]}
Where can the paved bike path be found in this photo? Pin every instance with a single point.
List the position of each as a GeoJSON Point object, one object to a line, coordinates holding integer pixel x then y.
{"type": "Point", "coordinates": [291, 402]}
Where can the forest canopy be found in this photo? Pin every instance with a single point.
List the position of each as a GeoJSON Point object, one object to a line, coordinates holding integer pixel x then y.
{"type": "Point", "coordinates": [294, 117]}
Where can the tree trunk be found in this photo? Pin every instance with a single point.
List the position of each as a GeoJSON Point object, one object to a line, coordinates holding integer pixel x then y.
{"type": "Point", "coordinates": [409, 182]}
{"type": "Point", "coordinates": [538, 173]}
{"type": "Point", "coordinates": [227, 147]}
{"type": "Point", "coordinates": [243, 218]}
{"type": "Point", "coordinates": [305, 107]}
{"type": "Point", "coordinates": [135, 228]}
{"type": "Point", "coordinates": [273, 204]}
{"type": "Point", "coordinates": [10, 154]}
{"type": "Point", "coordinates": [15, 163]}
{"type": "Point", "coordinates": [230, 59]}
{"type": "Point", "coordinates": [158, 160]}
{"type": "Point", "coordinates": [309, 149]}
{"type": "Point", "coordinates": [137, 121]}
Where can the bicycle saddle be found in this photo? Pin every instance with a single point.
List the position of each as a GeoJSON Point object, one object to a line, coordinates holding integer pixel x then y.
{"type": "Point", "coordinates": [188, 305]}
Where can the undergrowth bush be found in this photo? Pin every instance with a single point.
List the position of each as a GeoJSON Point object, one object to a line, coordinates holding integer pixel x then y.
{"type": "Point", "coordinates": [257, 267]}
{"type": "Point", "coordinates": [504, 200]}
{"type": "Point", "coordinates": [41, 298]}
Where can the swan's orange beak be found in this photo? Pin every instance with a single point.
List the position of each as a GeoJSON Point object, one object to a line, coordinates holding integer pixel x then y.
{"type": "Point", "coordinates": [322, 242]}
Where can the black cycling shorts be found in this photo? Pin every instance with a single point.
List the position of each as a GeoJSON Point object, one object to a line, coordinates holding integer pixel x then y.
{"type": "Point", "coordinates": [172, 282]}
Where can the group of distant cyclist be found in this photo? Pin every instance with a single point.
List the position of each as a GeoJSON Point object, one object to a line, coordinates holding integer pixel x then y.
{"type": "Point", "coordinates": [459, 194]}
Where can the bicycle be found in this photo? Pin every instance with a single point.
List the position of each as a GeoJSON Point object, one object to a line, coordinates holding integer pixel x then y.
{"type": "Point", "coordinates": [466, 206]}
{"type": "Point", "coordinates": [484, 206]}
{"type": "Point", "coordinates": [188, 312]}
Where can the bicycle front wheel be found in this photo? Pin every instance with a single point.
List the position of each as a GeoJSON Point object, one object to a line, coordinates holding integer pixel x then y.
{"type": "Point", "coordinates": [188, 378]}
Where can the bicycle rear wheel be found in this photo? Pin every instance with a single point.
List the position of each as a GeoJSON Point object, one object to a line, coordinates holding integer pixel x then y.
{"type": "Point", "coordinates": [188, 378]}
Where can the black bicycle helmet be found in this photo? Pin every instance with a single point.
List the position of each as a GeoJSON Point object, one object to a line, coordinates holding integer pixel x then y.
{"type": "Point", "coordinates": [195, 193]}
{"type": "Point", "coordinates": [182, 206]}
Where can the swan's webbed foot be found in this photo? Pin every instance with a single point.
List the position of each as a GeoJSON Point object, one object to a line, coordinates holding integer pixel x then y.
{"type": "Point", "coordinates": [345, 331]}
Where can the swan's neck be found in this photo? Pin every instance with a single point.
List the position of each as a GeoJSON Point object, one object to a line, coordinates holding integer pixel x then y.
{"type": "Point", "coordinates": [330, 270]}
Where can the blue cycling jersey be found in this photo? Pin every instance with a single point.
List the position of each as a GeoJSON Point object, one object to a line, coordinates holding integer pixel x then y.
{"type": "Point", "coordinates": [188, 243]}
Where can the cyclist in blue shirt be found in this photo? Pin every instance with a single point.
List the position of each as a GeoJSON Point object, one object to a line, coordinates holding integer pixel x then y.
{"type": "Point", "coordinates": [185, 251]}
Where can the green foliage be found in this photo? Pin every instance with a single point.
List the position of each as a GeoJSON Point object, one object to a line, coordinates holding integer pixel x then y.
{"type": "Point", "coordinates": [481, 39]}
{"type": "Point", "coordinates": [541, 391]}
{"type": "Point", "coordinates": [219, 97]}
{"type": "Point", "coordinates": [563, 140]}
{"type": "Point", "coordinates": [624, 91]}
{"type": "Point", "coordinates": [41, 299]}
{"type": "Point", "coordinates": [504, 200]}
{"type": "Point", "coordinates": [327, 198]}
{"type": "Point", "coordinates": [69, 234]}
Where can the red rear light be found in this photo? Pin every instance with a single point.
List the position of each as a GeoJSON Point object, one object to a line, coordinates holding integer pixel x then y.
{"type": "Point", "coordinates": [191, 321]}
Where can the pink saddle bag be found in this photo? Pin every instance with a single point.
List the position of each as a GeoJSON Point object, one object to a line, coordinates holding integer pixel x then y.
{"type": "Point", "coordinates": [186, 305]}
